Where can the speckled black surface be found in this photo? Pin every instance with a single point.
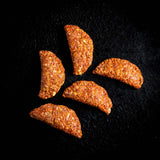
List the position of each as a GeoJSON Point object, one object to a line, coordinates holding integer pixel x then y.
{"type": "Point", "coordinates": [116, 32]}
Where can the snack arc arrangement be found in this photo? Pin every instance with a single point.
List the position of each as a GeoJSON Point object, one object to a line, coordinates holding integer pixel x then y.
{"type": "Point", "coordinates": [87, 92]}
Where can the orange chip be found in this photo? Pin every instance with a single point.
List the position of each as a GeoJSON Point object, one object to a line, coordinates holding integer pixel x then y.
{"type": "Point", "coordinates": [60, 117]}
{"type": "Point", "coordinates": [52, 74]}
{"type": "Point", "coordinates": [81, 48]}
{"type": "Point", "coordinates": [122, 70]}
{"type": "Point", "coordinates": [90, 93]}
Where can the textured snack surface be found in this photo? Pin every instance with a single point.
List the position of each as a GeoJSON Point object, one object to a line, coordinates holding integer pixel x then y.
{"type": "Point", "coordinates": [90, 93]}
{"type": "Point", "coordinates": [122, 70]}
{"type": "Point", "coordinates": [60, 117]}
{"type": "Point", "coordinates": [81, 48]}
{"type": "Point", "coordinates": [52, 74]}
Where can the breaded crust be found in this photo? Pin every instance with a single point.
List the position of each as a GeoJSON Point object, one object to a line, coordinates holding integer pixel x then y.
{"type": "Point", "coordinates": [90, 93]}
{"type": "Point", "coordinates": [122, 70]}
{"type": "Point", "coordinates": [60, 117]}
{"type": "Point", "coordinates": [81, 48]}
{"type": "Point", "coordinates": [52, 74]}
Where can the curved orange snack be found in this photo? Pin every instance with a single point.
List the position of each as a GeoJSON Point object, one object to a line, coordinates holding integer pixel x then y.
{"type": "Point", "coordinates": [122, 70]}
{"type": "Point", "coordinates": [90, 93]}
{"type": "Point", "coordinates": [60, 117]}
{"type": "Point", "coordinates": [81, 48]}
{"type": "Point", "coordinates": [52, 74]}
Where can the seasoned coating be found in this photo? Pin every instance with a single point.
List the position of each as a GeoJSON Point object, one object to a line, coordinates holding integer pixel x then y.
{"type": "Point", "coordinates": [81, 48]}
{"type": "Point", "coordinates": [52, 74]}
{"type": "Point", "coordinates": [90, 93]}
{"type": "Point", "coordinates": [122, 70]}
{"type": "Point", "coordinates": [60, 117]}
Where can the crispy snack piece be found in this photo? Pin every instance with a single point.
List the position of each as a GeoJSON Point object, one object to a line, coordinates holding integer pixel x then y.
{"type": "Point", "coordinates": [60, 117]}
{"type": "Point", "coordinates": [122, 70]}
{"type": "Point", "coordinates": [81, 48]}
{"type": "Point", "coordinates": [52, 74]}
{"type": "Point", "coordinates": [90, 93]}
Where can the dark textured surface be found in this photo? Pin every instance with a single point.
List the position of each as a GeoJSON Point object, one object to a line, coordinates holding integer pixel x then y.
{"type": "Point", "coordinates": [116, 32]}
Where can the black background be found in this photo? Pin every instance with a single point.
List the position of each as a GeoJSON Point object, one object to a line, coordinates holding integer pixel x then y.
{"type": "Point", "coordinates": [127, 30]}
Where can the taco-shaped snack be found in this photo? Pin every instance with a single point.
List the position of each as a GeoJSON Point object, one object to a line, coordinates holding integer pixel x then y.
{"type": "Point", "coordinates": [60, 117]}
{"type": "Point", "coordinates": [122, 70]}
{"type": "Point", "coordinates": [90, 93]}
{"type": "Point", "coordinates": [52, 74]}
{"type": "Point", "coordinates": [81, 48]}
